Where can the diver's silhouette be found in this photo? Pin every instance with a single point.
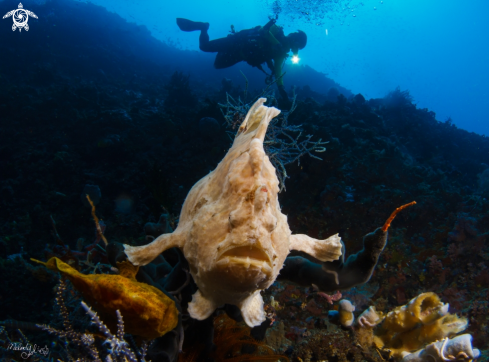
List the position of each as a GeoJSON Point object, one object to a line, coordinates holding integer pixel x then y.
{"type": "Point", "coordinates": [256, 46]}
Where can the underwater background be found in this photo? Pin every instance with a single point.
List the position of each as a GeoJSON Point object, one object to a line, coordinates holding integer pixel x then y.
{"type": "Point", "coordinates": [111, 99]}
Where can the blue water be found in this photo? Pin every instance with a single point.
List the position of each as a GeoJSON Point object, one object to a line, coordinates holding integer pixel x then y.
{"type": "Point", "coordinates": [435, 49]}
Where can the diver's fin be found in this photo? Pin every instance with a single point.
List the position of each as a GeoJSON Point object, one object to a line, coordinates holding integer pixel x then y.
{"type": "Point", "coordinates": [189, 25]}
{"type": "Point", "coordinates": [252, 310]}
{"type": "Point", "coordinates": [200, 307]}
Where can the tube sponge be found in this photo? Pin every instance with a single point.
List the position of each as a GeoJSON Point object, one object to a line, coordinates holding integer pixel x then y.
{"type": "Point", "coordinates": [365, 324]}
{"type": "Point", "coordinates": [369, 318]}
{"type": "Point", "coordinates": [346, 313]}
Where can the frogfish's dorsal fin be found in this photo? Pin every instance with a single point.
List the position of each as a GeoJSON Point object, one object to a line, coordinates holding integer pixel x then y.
{"type": "Point", "coordinates": [56, 264]}
{"type": "Point", "coordinates": [127, 270]}
{"type": "Point", "coordinates": [41, 262]}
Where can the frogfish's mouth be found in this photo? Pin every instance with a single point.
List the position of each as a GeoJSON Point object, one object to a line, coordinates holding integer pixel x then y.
{"type": "Point", "coordinates": [246, 257]}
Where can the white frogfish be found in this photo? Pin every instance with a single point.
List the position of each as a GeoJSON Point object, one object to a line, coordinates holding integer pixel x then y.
{"type": "Point", "coordinates": [232, 231]}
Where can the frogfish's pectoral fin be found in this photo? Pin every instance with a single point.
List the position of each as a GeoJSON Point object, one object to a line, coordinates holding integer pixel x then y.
{"type": "Point", "coordinates": [322, 250]}
{"type": "Point", "coordinates": [200, 307]}
{"type": "Point", "coordinates": [142, 255]}
{"type": "Point", "coordinates": [252, 310]}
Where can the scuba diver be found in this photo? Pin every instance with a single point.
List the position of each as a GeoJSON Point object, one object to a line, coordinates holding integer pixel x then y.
{"type": "Point", "coordinates": [256, 46]}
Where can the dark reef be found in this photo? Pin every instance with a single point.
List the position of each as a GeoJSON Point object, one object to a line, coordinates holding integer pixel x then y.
{"type": "Point", "coordinates": [88, 99]}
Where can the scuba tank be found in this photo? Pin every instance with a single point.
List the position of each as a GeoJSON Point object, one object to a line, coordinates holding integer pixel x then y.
{"type": "Point", "coordinates": [249, 43]}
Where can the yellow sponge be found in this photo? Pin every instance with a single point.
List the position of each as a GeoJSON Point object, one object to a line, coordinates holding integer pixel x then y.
{"type": "Point", "coordinates": [425, 308]}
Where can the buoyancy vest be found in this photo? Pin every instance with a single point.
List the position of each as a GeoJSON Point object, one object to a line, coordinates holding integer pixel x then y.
{"type": "Point", "coordinates": [256, 47]}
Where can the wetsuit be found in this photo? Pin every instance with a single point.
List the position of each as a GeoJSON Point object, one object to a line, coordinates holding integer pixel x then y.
{"type": "Point", "coordinates": [255, 46]}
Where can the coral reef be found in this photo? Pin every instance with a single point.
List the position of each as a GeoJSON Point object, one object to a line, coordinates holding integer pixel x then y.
{"type": "Point", "coordinates": [74, 114]}
{"type": "Point", "coordinates": [179, 92]}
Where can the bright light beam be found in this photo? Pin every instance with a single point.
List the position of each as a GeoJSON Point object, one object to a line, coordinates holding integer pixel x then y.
{"type": "Point", "coordinates": [295, 59]}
